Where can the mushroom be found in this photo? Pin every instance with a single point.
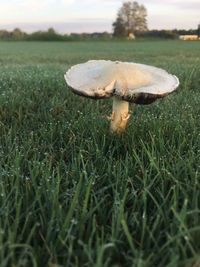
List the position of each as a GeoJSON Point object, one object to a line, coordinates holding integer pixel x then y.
{"type": "Point", "coordinates": [125, 82]}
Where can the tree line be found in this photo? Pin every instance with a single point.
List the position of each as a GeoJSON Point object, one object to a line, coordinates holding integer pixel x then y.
{"type": "Point", "coordinates": [52, 35]}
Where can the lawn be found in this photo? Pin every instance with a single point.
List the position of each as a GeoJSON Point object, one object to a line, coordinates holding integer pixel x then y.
{"type": "Point", "coordinates": [72, 194]}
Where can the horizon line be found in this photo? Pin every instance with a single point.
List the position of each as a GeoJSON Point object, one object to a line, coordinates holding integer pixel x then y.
{"type": "Point", "coordinates": [73, 26]}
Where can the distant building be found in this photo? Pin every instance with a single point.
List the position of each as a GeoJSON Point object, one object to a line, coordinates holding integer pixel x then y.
{"type": "Point", "coordinates": [131, 36]}
{"type": "Point", "coordinates": [192, 37]}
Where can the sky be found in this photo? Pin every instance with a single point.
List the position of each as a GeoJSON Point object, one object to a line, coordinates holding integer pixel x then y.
{"type": "Point", "coordinates": [93, 15]}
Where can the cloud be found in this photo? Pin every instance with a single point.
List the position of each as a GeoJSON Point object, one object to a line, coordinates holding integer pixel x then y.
{"type": "Point", "coordinates": [42, 11]}
{"type": "Point", "coordinates": [189, 5]}
{"type": "Point", "coordinates": [27, 10]}
{"type": "Point", "coordinates": [67, 2]}
{"type": "Point", "coordinates": [181, 4]}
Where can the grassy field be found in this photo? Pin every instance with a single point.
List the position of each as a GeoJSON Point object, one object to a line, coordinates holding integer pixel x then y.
{"type": "Point", "coordinates": [71, 194]}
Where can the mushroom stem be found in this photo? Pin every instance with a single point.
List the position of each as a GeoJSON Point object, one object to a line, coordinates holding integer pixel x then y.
{"type": "Point", "coordinates": [120, 115]}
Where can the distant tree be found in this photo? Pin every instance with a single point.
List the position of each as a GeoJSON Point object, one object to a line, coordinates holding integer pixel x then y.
{"type": "Point", "coordinates": [17, 34]}
{"type": "Point", "coordinates": [163, 34]}
{"type": "Point", "coordinates": [5, 35]}
{"type": "Point", "coordinates": [119, 28]}
{"type": "Point", "coordinates": [185, 32]}
{"type": "Point", "coordinates": [49, 35]}
{"type": "Point", "coordinates": [51, 31]}
{"type": "Point", "coordinates": [198, 30]}
{"type": "Point", "coordinates": [131, 18]}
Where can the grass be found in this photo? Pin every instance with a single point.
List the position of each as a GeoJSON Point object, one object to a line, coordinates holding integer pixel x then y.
{"type": "Point", "coordinates": [71, 194]}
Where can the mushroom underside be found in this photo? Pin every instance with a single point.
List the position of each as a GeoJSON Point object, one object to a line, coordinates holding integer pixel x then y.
{"type": "Point", "coordinates": [137, 98]}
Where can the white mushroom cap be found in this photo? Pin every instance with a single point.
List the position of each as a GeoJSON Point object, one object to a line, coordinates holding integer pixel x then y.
{"type": "Point", "coordinates": [138, 83]}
